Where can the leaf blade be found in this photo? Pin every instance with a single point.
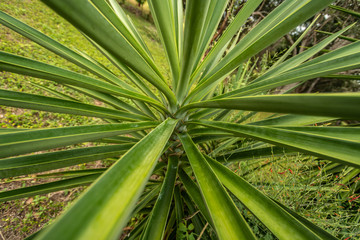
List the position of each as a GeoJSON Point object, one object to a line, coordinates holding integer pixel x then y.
{"type": "Point", "coordinates": [335, 149]}
{"type": "Point", "coordinates": [278, 221]}
{"type": "Point", "coordinates": [48, 187]}
{"type": "Point", "coordinates": [156, 225]}
{"type": "Point", "coordinates": [107, 205]}
{"type": "Point", "coordinates": [37, 102]}
{"type": "Point", "coordinates": [36, 140]}
{"type": "Point", "coordinates": [228, 222]}
{"type": "Point", "coordinates": [17, 166]}
{"type": "Point", "coordinates": [332, 105]}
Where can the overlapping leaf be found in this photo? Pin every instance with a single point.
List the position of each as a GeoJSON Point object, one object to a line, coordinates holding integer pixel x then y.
{"type": "Point", "coordinates": [93, 215]}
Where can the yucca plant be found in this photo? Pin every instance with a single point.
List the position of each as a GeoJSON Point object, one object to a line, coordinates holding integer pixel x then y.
{"type": "Point", "coordinates": [171, 137]}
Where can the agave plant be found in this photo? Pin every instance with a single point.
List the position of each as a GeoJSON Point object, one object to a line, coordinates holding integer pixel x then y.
{"type": "Point", "coordinates": [172, 137]}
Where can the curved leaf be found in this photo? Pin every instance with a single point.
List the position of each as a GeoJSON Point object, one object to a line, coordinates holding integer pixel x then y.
{"type": "Point", "coordinates": [156, 225]}
{"type": "Point", "coordinates": [105, 208]}
{"type": "Point", "coordinates": [12, 144]}
{"type": "Point", "coordinates": [228, 222]}
{"type": "Point", "coordinates": [48, 187]}
{"type": "Point", "coordinates": [292, 120]}
{"type": "Point", "coordinates": [344, 106]}
{"type": "Point", "coordinates": [347, 133]}
{"type": "Point", "coordinates": [25, 66]}
{"type": "Point", "coordinates": [17, 166]}
{"type": "Point", "coordinates": [253, 154]}
{"type": "Point", "coordinates": [300, 58]}
{"type": "Point", "coordinates": [227, 35]}
{"type": "Point", "coordinates": [342, 59]}
{"type": "Point", "coordinates": [320, 232]}
{"type": "Point", "coordinates": [274, 217]}
{"type": "Point", "coordinates": [162, 13]}
{"type": "Point", "coordinates": [36, 102]}
{"type": "Point", "coordinates": [280, 21]}
{"type": "Point", "coordinates": [99, 22]}
{"type": "Point", "coordinates": [331, 148]}
{"type": "Point", "coordinates": [194, 25]}
{"type": "Point", "coordinates": [195, 194]}
{"type": "Point", "coordinates": [60, 49]}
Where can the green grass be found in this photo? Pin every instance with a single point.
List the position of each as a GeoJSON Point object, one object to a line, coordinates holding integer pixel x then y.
{"type": "Point", "coordinates": [301, 183]}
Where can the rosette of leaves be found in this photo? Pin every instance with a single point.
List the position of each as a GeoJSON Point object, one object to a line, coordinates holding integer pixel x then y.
{"type": "Point", "coordinates": [178, 130]}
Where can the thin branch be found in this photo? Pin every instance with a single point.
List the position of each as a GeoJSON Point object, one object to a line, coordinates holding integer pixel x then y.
{"type": "Point", "coordinates": [190, 217]}
{"type": "Point", "coordinates": [2, 236]}
{"type": "Point", "coordinates": [202, 231]}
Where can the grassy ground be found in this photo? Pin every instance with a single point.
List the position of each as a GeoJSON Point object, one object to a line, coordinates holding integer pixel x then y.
{"type": "Point", "coordinates": [300, 184]}
{"type": "Point", "coordinates": [303, 184]}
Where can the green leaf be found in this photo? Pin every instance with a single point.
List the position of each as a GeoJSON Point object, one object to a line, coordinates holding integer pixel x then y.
{"type": "Point", "coordinates": [119, 139]}
{"type": "Point", "coordinates": [228, 222]}
{"type": "Point", "coordinates": [130, 74]}
{"type": "Point", "coordinates": [156, 225]}
{"type": "Point", "coordinates": [60, 49]}
{"type": "Point", "coordinates": [223, 146]}
{"type": "Point", "coordinates": [253, 154]}
{"type": "Point", "coordinates": [179, 205]}
{"type": "Point", "coordinates": [109, 99]}
{"type": "Point", "coordinates": [11, 130]}
{"type": "Point", "coordinates": [207, 131]}
{"type": "Point", "coordinates": [274, 217]}
{"type": "Point", "coordinates": [99, 22]}
{"type": "Point", "coordinates": [341, 36]}
{"type": "Point", "coordinates": [145, 201]}
{"type": "Point", "coordinates": [320, 232]}
{"type": "Point", "coordinates": [292, 120]}
{"type": "Point", "coordinates": [11, 167]}
{"type": "Point", "coordinates": [136, 232]}
{"type": "Point", "coordinates": [36, 102]}
{"type": "Point", "coordinates": [127, 23]}
{"type": "Point", "coordinates": [293, 62]}
{"type": "Point", "coordinates": [342, 59]}
{"type": "Point", "coordinates": [227, 35]}
{"type": "Point", "coordinates": [194, 25]}
{"type": "Point", "coordinates": [214, 15]}
{"type": "Point", "coordinates": [134, 78]}
{"type": "Point", "coordinates": [346, 133]}
{"type": "Point", "coordinates": [195, 194]}
{"type": "Point", "coordinates": [162, 13]}
{"type": "Point", "coordinates": [48, 187]}
{"type": "Point", "coordinates": [340, 105]}
{"type": "Point", "coordinates": [196, 218]}
{"type": "Point", "coordinates": [345, 10]}
{"type": "Point", "coordinates": [12, 144]}
{"type": "Point", "coordinates": [343, 76]}
{"type": "Point", "coordinates": [118, 25]}
{"type": "Point", "coordinates": [56, 93]}
{"type": "Point", "coordinates": [25, 66]}
{"type": "Point", "coordinates": [105, 208]}
{"type": "Point", "coordinates": [328, 147]}
{"type": "Point", "coordinates": [72, 173]}
{"type": "Point", "coordinates": [284, 18]}
{"type": "Point", "coordinates": [296, 43]}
